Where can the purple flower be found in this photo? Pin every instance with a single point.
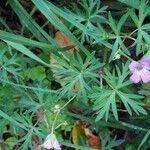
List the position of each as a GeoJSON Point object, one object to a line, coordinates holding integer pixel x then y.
{"type": "Point", "coordinates": [51, 142]}
{"type": "Point", "coordinates": [140, 70]}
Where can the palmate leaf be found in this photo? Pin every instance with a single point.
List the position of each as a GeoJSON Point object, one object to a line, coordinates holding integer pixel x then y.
{"type": "Point", "coordinates": [116, 28]}
{"type": "Point", "coordinates": [96, 36]}
{"type": "Point", "coordinates": [12, 120]}
{"type": "Point", "coordinates": [88, 13]}
{"type": "Point", "coordinates": [132, 3]}
{"type": "Point", "coordinates": [9, 64]}
{"type": "Point", "coordinates": [108, 144]}
{"type": "Point", "coordinates": [107, 98]}
{"type": "Point", "coordinates": [76, 74]}
{"type": "Point", "coordinates": [41, 100]}
{"type": "Point", "coordinates": [144, 10]}
{"type": "Point", "coordinates": [26, 140]}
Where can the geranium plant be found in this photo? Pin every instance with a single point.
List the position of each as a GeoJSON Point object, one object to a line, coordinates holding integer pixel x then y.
{"type": "Point", "coordinates": [75, 74]}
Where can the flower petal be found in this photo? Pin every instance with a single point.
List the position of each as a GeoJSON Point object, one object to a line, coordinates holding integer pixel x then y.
{"type": "Point", "coordinates": [145, 75]}
{"type": "Point", "coordinates": [135, 78]}
{"type": "Point", "coordinates": [51, 142]}
{"type": "Point", "coordinates": [146, 62]}
{"type": "Point", "coordinates": [57, 146]}
{"type": "Point", "coordinates": [133, 66]}
{"type": "Point", "coordinates": [47, 144]}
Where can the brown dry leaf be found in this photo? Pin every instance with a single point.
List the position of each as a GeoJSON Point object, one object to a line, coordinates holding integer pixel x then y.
{"type": "Point", "coordinates": [40, 115]}
{"type": "Point", "coordinates": [37, 148]}
{"type": "Point", "coordinates": [63, 41]}
{"type": "Point", "coordinates": [61, 19]}
{"type": "Point", "coordinates": [77, 131]}
{"type": "Point", "coordinates": [35, 141]}
{"type": "Point", "coordinates": [92, 140]}
{"type": "Point", "coordinates": [77, 87]}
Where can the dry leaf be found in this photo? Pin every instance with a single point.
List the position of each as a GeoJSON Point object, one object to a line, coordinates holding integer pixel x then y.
{"type": "Point", "coordinates": [61, 19]}
{"type": "Point", "coordinates": [63, 41]}
{"type": "Point", "coordinates": [80, 129]}
{"type": "Point", "coordinates": [40, 115]}
{"type": "Point", "coordinates": [77, 131]}
{"type": "Point", "coordinates": [35, 142]}
{"type": "Point", "coordinates": [92, 140]}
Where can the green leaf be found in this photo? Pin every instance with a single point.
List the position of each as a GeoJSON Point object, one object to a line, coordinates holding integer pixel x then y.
{"type": "Point", "coordinates": [47, 12]}
{"type": "Point", "coordinates": [26, 52]}
{"type": "Point", "coordinates": [26, 41]}
{"type": "Point", "coordinates": [144, 140]}
{"type": "Point", "coordinates": [76, 74]}
{"type": "Point", "coordinates": [106, 98]}
{"type": "Point", "coordinates": [26, 141]}
{"type": "Point", "coordinates": [134, 17]}
{"type": "Point", "coordinates": [123, 47]}
{"type": "Point", "coordinates": [35, 73]}
{"type": "Point", "coordinates": [122, 21]}
{"type": "Point", "coordinates": [112, 24]}
{"type": "Point", "coordinates": [89, 14]}
{"type": "Point", "coordinates": [146, 26]}
{"type": "Point", "coordinates": [108, 144]}
{"type": "Point", "coordinates": [10, 142]}
{"type": "Point", "coordinates": [26, 20]}
{"type": "Point", "coordinates": [146, 36]}
{"type": "Point", "coordinates": [12, 120]}
{"type": "Point", "coordinates": [129, 103]}
{"type": "Point", "coordinates": [139, 42]}
{"type": "Point", "coordinates": [114, 49]}
{"type": "Point", "coordinates": [69, 18]}
{"type": "Point", "coordinates": [114, 106]}
{"type": "Point", "coordinates": [132, 3]}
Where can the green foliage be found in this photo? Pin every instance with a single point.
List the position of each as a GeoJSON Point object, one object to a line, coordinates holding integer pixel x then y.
{"type": "Point", "coordinates": [35, 73]}
{"type": "Point", "coordinates": [8, 64]}
{"type": "Point", "coordinates": [108, 144]}
{"type": "Point", "coordinates": [76, 74]}
{"type": "Point", "coordinates": [144, 139]}
{"type": "Point", "coordinates": [116, 28]}
{"type": "Point", "coordinates": [90, 14]}
{"type": "Point", "coordinates": [144, 10]}
{"type": "Point", "coordinates": [132, 3]}
{"type": "Point", "coordinates": [108, 97]}
{"type": "Point", "coordinates": [27, 21]}
{"type": "Point", "coordinates": [41, 5]}
{"type": "Point", "coordinates": [89, 84]}
{"type": "Point", "coordinates": [41, 100]}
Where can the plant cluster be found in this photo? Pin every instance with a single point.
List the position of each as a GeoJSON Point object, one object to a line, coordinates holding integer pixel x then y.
{"type": "Point", "coordinates": [96, 88]}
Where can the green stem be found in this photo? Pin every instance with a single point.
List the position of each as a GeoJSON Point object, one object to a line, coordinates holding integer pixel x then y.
{"type": "Point", "coordinates": [55, 121]}
{"type": "Point", "coordinates": [53, 125]}
{"type": "Point", "coordinates": [126, 56]}
{"type": "Point", "coordinates": [26, 87]}
{"type": "Point", "coordinates": [127, 36]}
